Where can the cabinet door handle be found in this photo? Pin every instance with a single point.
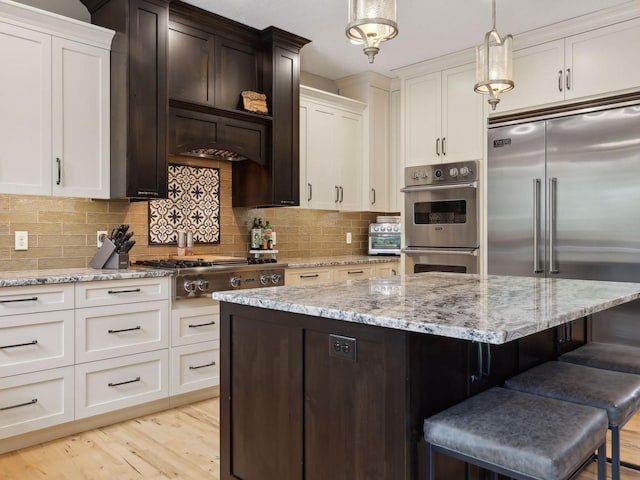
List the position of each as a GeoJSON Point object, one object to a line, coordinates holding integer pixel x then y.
{"type": "Point", "coordinates": [315, 275]}
{"type": "Point", "coordinates": [202, 366]}
{"type": "Point", "coordinates": [444, 146]}
{"type": "Point", "coordinates": [59, 162]}
{"type": "Point", "coordinates": [553, 186]}
{"type": "Point", "coordinates": [138, 327]}
{"type": "Point", "coordinates": [30, 299]}
{"type": "Point", "coordinates": [341, 194]}
{"type": "Point", "coordinates": [568, 80]}
{"type": "Point", "coordinates": [142, 193]}
{"type": "Point", "coordinates": [537, 268]}
{"type": "Point", "coordinates": [35, 400]}
{"type": "Point", "coordinates": [310, 190]}
{"type": "Point", "coordinates": [287, 202]}
{"type": "Point", "coordinates": [355, 272]}
{"type": "Point", "coordinates": [112, 292]}
{"type": "Point", "coordinates": [337, 193]}
{"type": "Point", "coordinates": [197, 325]}
{"type": "Point", "coordinates": [438, 146]}
{"type": "Point", "coordinates": [33, 342]}
{"type": "Point", "coordinates": [110, 384]}
{"type": "Point", "coordinates": [560, 80]}
{"type": "Point", "coordinates": [373, 191]}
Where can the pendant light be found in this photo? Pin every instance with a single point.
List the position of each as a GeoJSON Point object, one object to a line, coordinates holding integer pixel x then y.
{"type": "Point", "coordinates": [370, 23]}
{"type": "Point", "coordinates": [493, 64]}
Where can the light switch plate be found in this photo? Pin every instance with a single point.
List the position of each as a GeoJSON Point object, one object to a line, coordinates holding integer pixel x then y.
{"type": "Point", "coordinates": [22, 240]}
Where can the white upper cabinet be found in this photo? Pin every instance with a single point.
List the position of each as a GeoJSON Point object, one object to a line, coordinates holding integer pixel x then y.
{"type": "Point", "coordinates": [599, 62]}
{"type": "Point", "coordinates": [331, 155]}
{"type": "Point", "coordinates": [55, 104]}
{"type": "Point", "coordinates": [443, 120]}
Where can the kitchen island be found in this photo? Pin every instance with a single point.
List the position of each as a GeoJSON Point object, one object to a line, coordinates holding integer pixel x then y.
{"type": "Point", "coordinates": [335, 380]}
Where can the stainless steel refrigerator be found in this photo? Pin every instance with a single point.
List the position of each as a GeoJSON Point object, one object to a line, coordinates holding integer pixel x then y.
{"type": "Point", "coordinates": [563, 199]}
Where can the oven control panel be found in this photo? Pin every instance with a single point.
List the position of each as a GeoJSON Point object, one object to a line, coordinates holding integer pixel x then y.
{"type": "Point", "coordinates": [442, 173]}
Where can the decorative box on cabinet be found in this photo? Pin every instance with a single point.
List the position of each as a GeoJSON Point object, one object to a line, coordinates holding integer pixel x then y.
{"type": "Point", "coordinates": [57, 71]}
{"type": "Point", "coordinates": [331, 158]}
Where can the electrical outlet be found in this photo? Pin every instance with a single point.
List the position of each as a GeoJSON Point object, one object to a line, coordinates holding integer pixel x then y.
{"type": "Point", "coordinates": [22, 241]}
{"type": "Point", "coordinates": [348, 237]}
{"type": "Point", "coordinates": [100, 236]}
{"type": "Point", "coordinates": [342, 347]}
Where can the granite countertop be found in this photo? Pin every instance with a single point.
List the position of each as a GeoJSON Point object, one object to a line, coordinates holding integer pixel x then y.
{"type": "Point", "coordinates": [69, 275]}
{"type": "Point", "coordinates": [339, 261]}
{"type": "Point", "coordinates": [493, 309]}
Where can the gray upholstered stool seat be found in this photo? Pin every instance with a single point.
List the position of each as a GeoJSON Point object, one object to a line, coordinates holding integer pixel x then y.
{"type": "Point", "coordinates": [616, 392]}
{"type": "Point", "coordinates": [620, 358]}
{"type": "Point", "coordinates": [517, 434]}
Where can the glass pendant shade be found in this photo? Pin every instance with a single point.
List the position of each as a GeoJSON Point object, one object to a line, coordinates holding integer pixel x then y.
{"type": "Point", "coordinates": [370, 23]}
{"type": "Point", "coordinates": [493, 65]}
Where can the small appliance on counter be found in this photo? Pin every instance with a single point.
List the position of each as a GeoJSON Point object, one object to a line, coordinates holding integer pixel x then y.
{"type": "Point", "coordinates": [114, 252]}
{"type": "Point", "coordinates": [385, 236]}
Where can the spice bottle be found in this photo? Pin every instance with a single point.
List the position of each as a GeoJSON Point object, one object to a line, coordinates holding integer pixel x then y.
{"type": "Point", "coordinates": [266, 236]}
{"type": "Point", "coordinates": [256, 235]}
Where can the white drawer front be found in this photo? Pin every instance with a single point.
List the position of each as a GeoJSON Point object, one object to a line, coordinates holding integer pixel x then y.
{"type": "Point", "coordinates": [116, 292]}
{"type": "Point", "coordinates": [301, 276]}
{"type": "Point", "coordinates": [35, 400]}
{"type": "Point", "coordinates": [195, 324]}
{"type": "Point", "coordinates": [105, 332]}
{"type": "Point", "coordinates": [352, 272]}
{"type": "Point", "coordinates": [194, 367]}
{"type": "Point", "coordinates": [36, 298]}
{"type": "Point", "coordinates": [121, 382]}
{"type": "Point", "coordinates": [36, 342]}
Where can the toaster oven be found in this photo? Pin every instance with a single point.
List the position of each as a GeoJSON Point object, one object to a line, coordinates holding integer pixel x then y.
{"type": "Point", "coordinates": [385, 236]}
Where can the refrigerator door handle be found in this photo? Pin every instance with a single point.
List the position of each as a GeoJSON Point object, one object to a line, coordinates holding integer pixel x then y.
{"type": "Point", "coordinates": [537, 267]}
{"type": "Point", "coordinates": [553, 185]}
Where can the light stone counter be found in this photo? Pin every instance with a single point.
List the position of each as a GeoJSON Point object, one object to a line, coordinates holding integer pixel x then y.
{"type": "Point", "coordinates": [43, 277]}
{"type": "Point", "coordinates": [315, 262]}
{"type": "Point", "coordinates": [495, 309]}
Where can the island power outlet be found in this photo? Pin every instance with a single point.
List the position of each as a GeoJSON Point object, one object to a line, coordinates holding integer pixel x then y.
{"type": "Point", "coordinates": [342, 347]}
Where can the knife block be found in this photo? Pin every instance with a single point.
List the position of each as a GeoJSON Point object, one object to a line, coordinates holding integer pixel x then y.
{"type": "Point", "coordinates": [107, 258]}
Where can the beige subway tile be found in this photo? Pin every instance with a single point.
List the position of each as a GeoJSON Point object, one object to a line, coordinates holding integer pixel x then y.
{"type": "Point", "coordinates": [37, 228]}
{"type": "Point", "coordinates": [38, 252]}
{"type": "Point", "coordinates": [48, 216]}
{"type": "Point", "coordinates": [35, 203]}
{"type": "Point", "coordinates": [62, 263]}
{"type": "Point", "coordinates": [18, 265]}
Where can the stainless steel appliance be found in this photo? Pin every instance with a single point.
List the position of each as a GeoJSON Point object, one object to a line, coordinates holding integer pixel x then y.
{"type": "Point", "coordinates": [563, 197]}
{"type": "Point", "coordinates": [441, 217]}
{"type": "Point", "coordinates": [200, 277]}
{"type": "Point", "coordinates": [385, 236]}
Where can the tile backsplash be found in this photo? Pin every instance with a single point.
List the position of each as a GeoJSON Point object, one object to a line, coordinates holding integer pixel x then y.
{"type": "Point", "coordinates": [62, 231]}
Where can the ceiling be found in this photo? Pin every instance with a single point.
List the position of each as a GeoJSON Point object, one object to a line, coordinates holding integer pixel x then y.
{"type": "Point", "coordinates": [427, 28]}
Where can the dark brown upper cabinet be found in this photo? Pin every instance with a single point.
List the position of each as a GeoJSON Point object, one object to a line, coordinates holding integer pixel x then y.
{"type": "Point", "coordinates": [138, 94]}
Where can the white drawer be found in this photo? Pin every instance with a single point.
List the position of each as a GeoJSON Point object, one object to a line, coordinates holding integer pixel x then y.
{"type": "Point", "coordinates": [35, 400]}
{"type": "Point", "coordinates": [301, 276]}
{"type": "Point", "coordinates": [121, 382]}
{"type": "Point", "coordinates": [105, 332]}
{"type": "Point", "coordinates": [36, 342]}
{"type": "Point", "coordinates": [36, 298]}
{"type": "Point", "coordinates": [352, 272]}
{"type": "Point", "coordinates": [195, 321]}
{"type": "Point", "coordinates": [116, 292]}
{"type": "Point", "coordinates": [194, 367]}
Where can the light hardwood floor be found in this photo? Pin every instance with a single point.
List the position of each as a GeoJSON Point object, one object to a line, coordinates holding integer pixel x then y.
{"type": "Point", "coordinates": [181, 443]}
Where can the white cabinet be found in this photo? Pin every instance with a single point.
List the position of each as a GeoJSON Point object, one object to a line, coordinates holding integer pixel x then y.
{"type": "Point", "coordinates": [443, 119]}
{"type": "Point", "coordinates": [306, 276]}
{"type": "Point", "coordinates": [597, 62]}
{"type": "Point", "coordinates": [331, 156]}
{"type": "Point", "coordinates": [55, 104]}
{"type": "Point", "coordinates": [339, 273]}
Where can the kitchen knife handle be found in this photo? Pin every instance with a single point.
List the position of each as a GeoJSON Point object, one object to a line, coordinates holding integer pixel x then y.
{"type": "Point", "coordinates": [553, 185]}
{"type": "Point", "coordinates": [560, 80]}
{"type": "Point", "coordinates": [59, 179]}
{"type": "Point", "coordinates": [537, 268]}
{"type": "Point", "coordinates": [438, 146]}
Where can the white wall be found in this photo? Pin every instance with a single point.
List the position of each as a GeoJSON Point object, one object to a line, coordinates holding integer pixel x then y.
{"type": "Point", "coordinates": [316, 81]}
{"type": "Point", "coordinates": [68, 8]}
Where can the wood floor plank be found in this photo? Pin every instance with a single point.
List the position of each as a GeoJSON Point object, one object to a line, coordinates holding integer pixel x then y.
{"type": "Point", "coordinates": [181, 443]}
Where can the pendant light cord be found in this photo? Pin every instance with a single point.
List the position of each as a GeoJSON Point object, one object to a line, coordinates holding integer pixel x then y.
{"type": "Point", "coordinates": [493, 11]}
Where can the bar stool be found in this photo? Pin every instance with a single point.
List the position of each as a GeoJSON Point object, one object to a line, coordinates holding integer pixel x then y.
{"type": "Point", "coordinates": [523, 436]}
{"type": "Point", "coordinates": [609, 356]}
{"type": "Point", "coordinates": [616, 392]}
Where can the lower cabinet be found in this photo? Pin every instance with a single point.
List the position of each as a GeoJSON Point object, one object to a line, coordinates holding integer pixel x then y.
{"type": "Point", "coordinates": [32, 401]}
{"type": "Point", "coordinates": [311, 275]}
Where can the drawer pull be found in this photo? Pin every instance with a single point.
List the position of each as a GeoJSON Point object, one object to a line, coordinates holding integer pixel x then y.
{"type": "Point", "coordinates": [138, 327]}
{"type": "Point", "coordinates": [34, 342]}
{"type": "Point", "coordinates": [137, 379]}
{"type": "Point", "coordinates": [203, 366]}
{"type": "Point", "coordinates": [35, 400]}
{"type": "Point", "coordinates": [31, 299]}
{"type": "Point", "coordinates": [310, 276]}
{"type": "Point", "coordinates": [355, 272]}
{"type": "Point", "coordinates": [135, 290]}
{"type": "Point", "coordinates": [196, 325]}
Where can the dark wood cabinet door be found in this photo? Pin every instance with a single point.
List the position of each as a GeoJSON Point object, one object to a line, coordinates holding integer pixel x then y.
{"type": "Point", "coordinates": [236, 70]}
{"type": "Point", "coordinates": [191, 68]}
{"type": "Point", "coordinates": [147, 152]}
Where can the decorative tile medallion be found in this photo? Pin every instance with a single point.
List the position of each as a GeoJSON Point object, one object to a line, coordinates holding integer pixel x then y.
{"type": "Point", "coordinates": [193, 205]}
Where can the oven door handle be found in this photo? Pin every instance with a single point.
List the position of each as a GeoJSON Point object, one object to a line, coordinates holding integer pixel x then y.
{"type": "Point", "coordinates": [440, 251]}
{"type": "Point", "coordinates": [422, 188]}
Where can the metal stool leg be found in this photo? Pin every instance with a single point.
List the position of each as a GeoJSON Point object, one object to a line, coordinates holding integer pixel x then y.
{"type": "Point", "coordinates": [428, 462]}
{"type": "Point", "coordinates": [615, 453]}
{"type": "Point", "coordinates": [602, 462]}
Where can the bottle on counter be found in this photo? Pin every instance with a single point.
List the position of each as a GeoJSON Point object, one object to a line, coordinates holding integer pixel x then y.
{"type": "Point", "coordinates": [266, 236]}
{"type": "Point", "coordinates": [256, 235]}
{"type": "Point", "coordinates": [189, 249]}
{"type": "Point", "coordinates": [182, 243]}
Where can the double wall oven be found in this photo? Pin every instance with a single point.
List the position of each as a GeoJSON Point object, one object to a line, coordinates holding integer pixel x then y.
{"type": "Point", "coordinates": [441, 218]}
